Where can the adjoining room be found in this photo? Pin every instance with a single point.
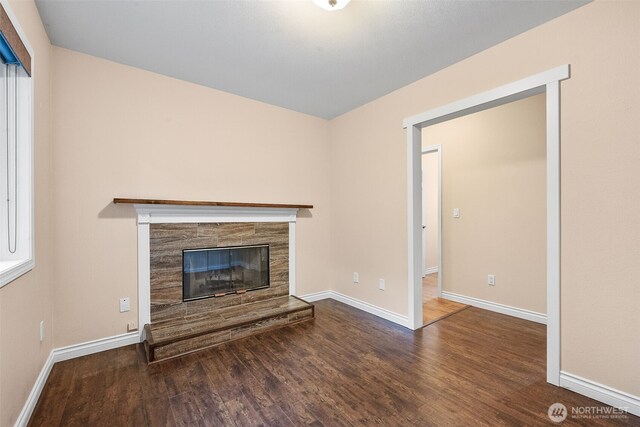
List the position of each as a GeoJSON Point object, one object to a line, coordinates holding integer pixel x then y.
{"type": "Point", "coordinates": [493, 212]}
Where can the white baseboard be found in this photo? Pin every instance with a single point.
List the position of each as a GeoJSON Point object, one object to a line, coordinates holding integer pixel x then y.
{"type": "Point", "coordinates": [32, 399]}
{"type": "Point", "coordinates": [601, 393]}
{"type": "Point", "coordinates": [66, 353]}
{"type": "Point", "coordinates": [430, 270]}
{"type": "Point", "coordinates": [96, 346]}
{"type": "Point", "coordinates": [498, 308]}
{"type": "Point", "coordinates": [317, 296]}
{"type": "Point", "coordinates": [364, 306]}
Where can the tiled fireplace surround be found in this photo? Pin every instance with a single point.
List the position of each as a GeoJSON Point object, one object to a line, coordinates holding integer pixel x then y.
{"type": "Point", "coordinates": [165, 230]}
{"type": "Point", "coordinates": [168, 240]}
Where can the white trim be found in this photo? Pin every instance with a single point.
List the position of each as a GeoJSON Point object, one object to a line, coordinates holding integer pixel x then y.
{"type": "Point", "coordinates": [172, 214]}
{"type": "Point", "coordinates": [396, 318]}
{"type": "Point", "coordinates": [34, 395]}
{"type": "Point", "coordinates": [179, 214]}
{"type": "Point", "coordinates": [66, 353]}
{"type": "Point", "coordinates": [9, 274]}
{"type": "Point", "coordinates": [317, 296]}
{"type": "Point", "coordinates": [520, 313]}
{"type": "Point", "coordinates": [601, 393]}
{"type": "Point", "coordinates": [491, 98]}
{"type": "Point", "coordinates": [548, 82]}
{"type": "Point", "coordinates": [292, 258]}
{"type": "Point", "coordinates": [553, 232]}
{"type": "Point", "coordinates": [95, 346]}
{"type": "Point", "coordinates": [144, 277]}
{"type": "Point", "coordinates": [414, 225]}
{"type": "Point", "coordinates": [431, 270]}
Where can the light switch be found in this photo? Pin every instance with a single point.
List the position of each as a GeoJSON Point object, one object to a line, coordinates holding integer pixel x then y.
{"type": "Point", "coordinates": [456, 212]}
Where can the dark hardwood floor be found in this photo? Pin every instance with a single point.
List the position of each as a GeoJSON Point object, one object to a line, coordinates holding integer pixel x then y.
{"type": "Point", "coordinates": [345, 368]}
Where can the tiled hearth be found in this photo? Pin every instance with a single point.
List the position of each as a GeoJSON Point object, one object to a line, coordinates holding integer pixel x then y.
{"type": "Point", "coordinates": [182, 335]}
{"type": "Point", "coordinates": [172, 326]}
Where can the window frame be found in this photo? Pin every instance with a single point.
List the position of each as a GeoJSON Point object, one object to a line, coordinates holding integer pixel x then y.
{"type": "Point", "coordinates": [12, 267]}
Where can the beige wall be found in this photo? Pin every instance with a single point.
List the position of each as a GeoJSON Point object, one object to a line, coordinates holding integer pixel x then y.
{"type": "Point", "coordinates": [124, 132]}
{"type": "Point", "coordinates": [27, 300]}
{"type": "Point", "coordinates": [600, 181]}
{"type": "Point", "coordinates": [119, 131]}
{"type": "Point", "coordinates": [430, 209]}
{"type": "Point", "coordinates": [493, 170]}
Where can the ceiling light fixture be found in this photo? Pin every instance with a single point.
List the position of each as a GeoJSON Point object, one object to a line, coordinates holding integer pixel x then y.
{"type": "Point", "coordinates": [331, 4]}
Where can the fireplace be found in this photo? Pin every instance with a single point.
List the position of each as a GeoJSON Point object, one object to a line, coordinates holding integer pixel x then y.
{"type": "Point", "coordinates": [218, 271]}
{"type": "Point", "coordinates": [170, 244]}
{"type": "Point", "coordinates": [166, 228]}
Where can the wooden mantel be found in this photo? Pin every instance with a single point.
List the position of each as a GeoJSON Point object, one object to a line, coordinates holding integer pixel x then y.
{"type": "Point", "coordinates": [119, 200]}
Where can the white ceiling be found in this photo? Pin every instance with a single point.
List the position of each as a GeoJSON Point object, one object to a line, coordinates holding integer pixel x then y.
{"type": "Point", "coordinates": [292, 53]}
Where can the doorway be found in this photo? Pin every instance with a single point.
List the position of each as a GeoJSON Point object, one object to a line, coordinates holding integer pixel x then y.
{"type": "Point", "coordinates": [434, 307]}
{"type": "Point", "coordinates": [547, 82]}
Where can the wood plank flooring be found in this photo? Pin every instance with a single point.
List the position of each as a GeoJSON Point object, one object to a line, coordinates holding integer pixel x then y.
{"type": "Point", "coordinates": [435, 308]}
{"type": "Point", "coordinates": [347, 368]}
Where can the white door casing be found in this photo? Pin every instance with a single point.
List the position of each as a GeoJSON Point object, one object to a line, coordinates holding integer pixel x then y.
{"type": "Point", "coordinates": [546, 82]}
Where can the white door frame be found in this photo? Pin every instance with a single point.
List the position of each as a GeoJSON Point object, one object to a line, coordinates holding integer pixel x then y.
{"type": "Point", "coordinates": [438, 150]}
{"type": "Point", "coordinates": [549, 82]}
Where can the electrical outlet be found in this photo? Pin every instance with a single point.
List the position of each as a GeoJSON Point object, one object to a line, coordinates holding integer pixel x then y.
{"type": "Point", "coordinates": [381, 284]}
{"type": "Point", "coordinates": [125, 304]}
{"type": "Point", "coordinates": [356, 278]}
{"type": "Point", "coordinates": [491, 280]}
{"type": "Point", "coordinates": [131, 326]}
{"type": "Point", "coordinates": [41, 330]}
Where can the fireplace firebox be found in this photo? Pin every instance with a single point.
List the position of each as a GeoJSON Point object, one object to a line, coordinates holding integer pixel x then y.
{"type": "Point", "coordinates": [215, 272]}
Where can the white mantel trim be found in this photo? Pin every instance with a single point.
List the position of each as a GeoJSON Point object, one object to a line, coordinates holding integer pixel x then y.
{"type": "Point", "coordinates": [173, 214]}
{"type": "Point", "coordinates": [163, 214]}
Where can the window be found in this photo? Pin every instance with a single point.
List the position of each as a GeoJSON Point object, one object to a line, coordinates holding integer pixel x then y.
{"type": "Point", "coordinates": [16, 153]}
